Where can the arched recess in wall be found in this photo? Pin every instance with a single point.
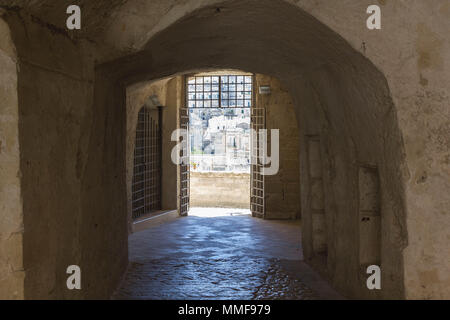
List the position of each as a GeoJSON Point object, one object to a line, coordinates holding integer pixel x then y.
{"type": "Point", "coordinates": [138, 96]}
{"type": "Point", "coordinates": [350, 145]}
{"type": "Point", "coordinates": [11, 213]}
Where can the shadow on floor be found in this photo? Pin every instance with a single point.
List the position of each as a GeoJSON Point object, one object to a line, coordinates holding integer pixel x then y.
{"type": "Point", "coordinates": [220, 254]}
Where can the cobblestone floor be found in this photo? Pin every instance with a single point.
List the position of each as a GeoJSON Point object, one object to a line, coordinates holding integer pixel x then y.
{"type": "Point", "coordinates": [219, 254]}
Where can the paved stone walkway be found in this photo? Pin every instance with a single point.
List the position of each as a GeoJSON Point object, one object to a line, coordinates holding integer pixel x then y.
{"type": "Point", "coordinates": [220, 254]}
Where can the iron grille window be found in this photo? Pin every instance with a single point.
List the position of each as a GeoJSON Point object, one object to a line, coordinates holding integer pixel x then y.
{"type": "Point", "coordinates": [146, 188]}
{"type": "Point", "coordinates": [228, 91]}
{"type": "Point", "coordinates": [219, 122]}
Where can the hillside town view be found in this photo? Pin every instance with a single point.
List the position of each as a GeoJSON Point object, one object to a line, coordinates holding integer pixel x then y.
{"type": "Point", "coordinates": [219, 123]}
{"type": "Point", "coordinates": [220, 140]}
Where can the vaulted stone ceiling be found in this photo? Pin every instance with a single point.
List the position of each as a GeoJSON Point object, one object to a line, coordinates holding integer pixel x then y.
{"type": "Point", "coordinates": [124, 26]}
{"type": "Point", "coordinates": [115, 23]}
{"type": "Point", "coordinates": [95, 13]}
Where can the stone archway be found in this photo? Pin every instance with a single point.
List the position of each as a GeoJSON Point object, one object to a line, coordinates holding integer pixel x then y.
{"type": "Point", "coordinates": [341, 100]}
{"type": "Point", "coordinates": [72, 109]}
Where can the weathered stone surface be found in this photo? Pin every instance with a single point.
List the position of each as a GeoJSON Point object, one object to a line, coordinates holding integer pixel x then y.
{"type": "Point", "coordinates": [223, 190]}
{"type": "Point", "coordinates": [220, 254]}
{"type": "Point", "coordinates": [373, 97]}
{"type": "Point", "coordinates": [280, 114]}
{"type": "Point", "coordinates": [11, 214]}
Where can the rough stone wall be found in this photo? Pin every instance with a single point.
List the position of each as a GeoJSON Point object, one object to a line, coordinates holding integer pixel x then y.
{"type": "Point", "coordinates": [283, 189]}
{"type": "Point", "coordinates": [333, 154]}
{"type": "Point", "coordinates": [220, 189]}
{"type": "Point", "coordinates": [411, 50]}
{"type": "Point", "coordinates": [11, 214]}
{"type": "Point", "coordinates": [67, 168]}
{"type": "Point", "coordinates": [50, 132]}
{"type": "Point", "coordinates": [174, 100]}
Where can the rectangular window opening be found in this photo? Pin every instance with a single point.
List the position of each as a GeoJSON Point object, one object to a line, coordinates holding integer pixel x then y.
{"type": "Point", "coordinates": [219, 122]}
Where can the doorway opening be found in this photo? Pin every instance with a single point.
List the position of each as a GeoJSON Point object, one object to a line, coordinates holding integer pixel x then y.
{"type": "Point", "coordinates": [224, 114]}
{"type": "Point", "coordinates": [219, 108]}
{"type": "Point", "coordinates": [220, 187]}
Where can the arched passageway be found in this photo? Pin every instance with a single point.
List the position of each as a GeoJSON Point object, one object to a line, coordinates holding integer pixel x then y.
{"type": "Point", "coordinates": [355, 182]}
{"type": "Point", "coordinates": [213, 250]}
{"type": "Point", "coordinates": [348, 167]}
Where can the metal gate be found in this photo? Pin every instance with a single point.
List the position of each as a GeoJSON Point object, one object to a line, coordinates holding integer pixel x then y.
{"type": "Point", "coordinates": [146, 185]}
{"type": "Point", "coordinates": [258, 117]}
{"type": "Point", "coordinates": [185, 164]}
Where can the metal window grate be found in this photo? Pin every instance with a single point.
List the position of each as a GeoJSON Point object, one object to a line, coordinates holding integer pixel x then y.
{"type": "Point", "coordinates": [227, 91]}
{"type": "Point", "coordinates": [257, 197]}
{"type": "Point", "coordinates": [146, 188]}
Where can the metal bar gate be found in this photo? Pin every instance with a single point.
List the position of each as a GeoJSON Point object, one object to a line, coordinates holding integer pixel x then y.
{"type": "Point", "coordinates": [146, 185]}
{"type": "Point", "coordinates": [185, 164]}
{"type": "Point", "coordinates": [257, 205]}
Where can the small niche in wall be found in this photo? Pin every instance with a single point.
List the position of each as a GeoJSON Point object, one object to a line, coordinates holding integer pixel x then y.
{"type": "Point", "coordinates": [316, 196]}
{"type": "Point", "coordinates": [369, 216]}
{"type": "Point", "coordinates": [319, 233]}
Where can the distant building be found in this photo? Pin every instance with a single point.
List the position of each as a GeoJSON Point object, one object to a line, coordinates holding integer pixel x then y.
{"type": "Point", "coordinates": [220, 139]}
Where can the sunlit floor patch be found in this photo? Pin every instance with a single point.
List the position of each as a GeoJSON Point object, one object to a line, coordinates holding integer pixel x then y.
{"type": "Point", "coordinates": [217, 212]}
